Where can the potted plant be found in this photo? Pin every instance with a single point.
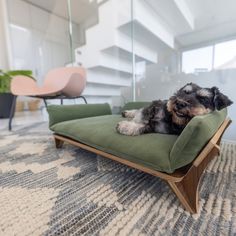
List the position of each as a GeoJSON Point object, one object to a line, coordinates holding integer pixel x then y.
{"type": "Point", "coordinates": [33, 104]}
{"type": "Point", "coordinates": [6, 97]}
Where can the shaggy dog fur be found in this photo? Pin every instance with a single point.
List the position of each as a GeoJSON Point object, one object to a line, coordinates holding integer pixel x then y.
{"type": "Point", "coordinates": [171, 116]}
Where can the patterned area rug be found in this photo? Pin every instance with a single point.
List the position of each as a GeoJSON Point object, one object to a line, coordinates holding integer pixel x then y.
{"type": "Point", "coordinates": [44, 191]}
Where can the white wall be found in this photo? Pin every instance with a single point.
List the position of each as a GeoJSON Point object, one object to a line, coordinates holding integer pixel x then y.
{"type": "Point", "coordinates": [79, 35]}
{"type": "Point", "coordinates": [4, 59]}
{"type": "Point", "coordinates": [39, 39]}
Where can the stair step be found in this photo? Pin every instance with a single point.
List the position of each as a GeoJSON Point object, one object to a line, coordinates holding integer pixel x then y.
{"type": "Point", "coordinates": [98, 99]}
{"type": "Point", "coordinates": [122, 53]}
{"type": "Point", "coordinates": [110, 84]}
{"type": "Point", "coordinates": [180, 18]}
{"type": "Point", "coordinates": [109, 49]}
{"type": "Point", "coordinates": [147, 16]}
{"type": "Point", "coordinates": [101, 90]}
{"type": "Point", "coordinates": [104, 76]}
{"type": "Point", "coordinates": [89, 59]}
{"type": "Point", "coordinates": [114, 38]}
{"type": "Point", "coordinates": [150, 39]}
{"type": "Point", "coordinates": [123, 42]}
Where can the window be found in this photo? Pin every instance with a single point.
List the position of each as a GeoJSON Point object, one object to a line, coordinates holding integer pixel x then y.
{"type": "Point", "coordinates": [197, 60]}
{"type": "Point", "coordinates": [225, 55]}
{"type": "Point", "coordinates": [219, 56]}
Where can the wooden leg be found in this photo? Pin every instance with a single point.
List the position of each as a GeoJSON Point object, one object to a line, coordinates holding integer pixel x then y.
{"type": "Point", "coordinates": [59, 143]}
{"type": "Point", "coordinates": [187, 189]}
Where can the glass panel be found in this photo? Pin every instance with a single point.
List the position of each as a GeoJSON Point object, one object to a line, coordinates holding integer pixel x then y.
{"type": "Point", "coordinates": [197, 60]}
{"type": "Point", "coordinates": [95, 34]}
{"type": "Point", "coordinates": [176, 42]}
{"type": "Point", "coordinates": [39, 35]}
{"type": "Point", "coordinates": [102, 44]}
{"type": "Point", "coordinates": [225, 55]}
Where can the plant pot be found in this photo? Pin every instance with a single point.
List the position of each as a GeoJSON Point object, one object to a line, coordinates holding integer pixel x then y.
{"type": "Point", "coordinates": [6, 100]}
{"type": "Point", "coordinates": [33, 105]}
{"type": "Point", "coordinates": [20, 106]}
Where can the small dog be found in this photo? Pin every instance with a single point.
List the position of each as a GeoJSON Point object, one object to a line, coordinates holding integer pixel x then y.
{"type": "Point", "coordinates": [171, 116]}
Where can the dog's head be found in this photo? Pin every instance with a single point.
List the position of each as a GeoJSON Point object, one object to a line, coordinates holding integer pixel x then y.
{"type": "Point", "coordinates": [192, 100]}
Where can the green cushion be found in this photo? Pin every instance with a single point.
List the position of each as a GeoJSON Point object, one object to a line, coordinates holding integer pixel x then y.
{"type": "Point", "coordinates": [150, 150]}
{"type": "Point", "coordinates": [59, 113]}
{"type": "Point", "coordinates": [194, 137]}
{"type": "Point", "coordinates": [135, 105]}
{"type": "Point", "coordinates": [160, 152]}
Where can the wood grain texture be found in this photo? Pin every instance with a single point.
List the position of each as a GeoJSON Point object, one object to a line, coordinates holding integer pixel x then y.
{"type": "Point", "coordinates": [187, 190]}
{"type": "Point", "coordinates": [184, 181]}
{"type": "Point", "coordinates": [177, 176]}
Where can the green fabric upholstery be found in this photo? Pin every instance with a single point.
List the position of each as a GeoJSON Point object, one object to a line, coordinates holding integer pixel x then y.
{"type": "Point", "coordinates": [194, 137]}
{"type": "Point", "coordinates": [135, 105]}
{"type": "Point", "coordinates": [59, 113]}
{"type": "Point", "coordinates": [151, 150]}
{"type": "Point", "coordinates": [157, 151]}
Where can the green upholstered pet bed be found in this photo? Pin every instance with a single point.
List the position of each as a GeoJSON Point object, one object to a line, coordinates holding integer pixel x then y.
{"type": "Point", "coordinates": [176, 159]}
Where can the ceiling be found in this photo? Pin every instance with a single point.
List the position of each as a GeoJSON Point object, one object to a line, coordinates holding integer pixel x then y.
{"type": "Point", "coordinates": [213, 19]}
{"type": "Point", "coordinates": [197, 21]}
{"type": "Point", "coordinates": [80, 9]}
{"type": "Point", "coordinates": [212, 12]}
{"type": "Point", "coordinates": [191, 22]}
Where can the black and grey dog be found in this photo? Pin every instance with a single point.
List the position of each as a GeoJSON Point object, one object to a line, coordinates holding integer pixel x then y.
{"type": "Point", "coordinates": [171, 116]}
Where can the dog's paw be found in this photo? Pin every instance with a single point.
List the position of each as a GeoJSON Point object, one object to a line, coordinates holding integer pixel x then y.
{"type": "Point", "coordinates": [129, 128]}
{"type": "Point", "coordinates": [125, 114]}
{"type": "Point", "coordinates": [130, 114]}
{"type": "Point", "coordinates": [118, 127]}
{"type": "Point", "coordinates": [121, 127]}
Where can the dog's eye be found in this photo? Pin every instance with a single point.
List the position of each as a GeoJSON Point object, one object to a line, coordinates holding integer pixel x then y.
{"type": "Point", "coordinates": [187, 91]}
{"type": "Point", "coordinates": [203, 99]}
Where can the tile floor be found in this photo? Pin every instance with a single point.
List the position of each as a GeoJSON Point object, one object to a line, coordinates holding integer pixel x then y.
{"type": "Point", "coordinates": [24, 118]}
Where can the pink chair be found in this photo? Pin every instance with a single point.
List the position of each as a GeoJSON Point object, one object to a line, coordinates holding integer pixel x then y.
{"type": "Point", "coordinates": [60, 83]}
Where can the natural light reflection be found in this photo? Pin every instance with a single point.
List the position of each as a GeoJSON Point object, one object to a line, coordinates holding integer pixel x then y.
{"type": "Point", "coordinates": [225, 55]}
{"type": "Point", "coordinates": [198, 60]}
{"type": "Point", "coordinates": [219, 56]}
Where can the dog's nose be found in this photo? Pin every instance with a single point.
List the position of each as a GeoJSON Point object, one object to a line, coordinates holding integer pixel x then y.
{"type": "Point", "coordinates": [180, 105]}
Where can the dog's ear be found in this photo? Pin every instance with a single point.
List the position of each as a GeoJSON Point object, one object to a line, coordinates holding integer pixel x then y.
{"type": "Point", "coordinates": [220, 100]}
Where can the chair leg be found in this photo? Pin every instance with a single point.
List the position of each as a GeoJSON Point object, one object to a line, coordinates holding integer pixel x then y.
{"type": "Point", "coordinates": [12, 112]}
{"type": "Point", "coordinates": [45, 102]}
{"type": "Point", "coordinates": [59, 143]}
{"type": "Point", "coordinates": [84, 99]}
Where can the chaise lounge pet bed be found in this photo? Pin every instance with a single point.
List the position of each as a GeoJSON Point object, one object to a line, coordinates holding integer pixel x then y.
{"type": "Point", "coordinates": [179, 160]}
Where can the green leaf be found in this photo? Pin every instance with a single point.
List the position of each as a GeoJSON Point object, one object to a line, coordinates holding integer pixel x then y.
{"type": "Point", "coordinates": [5, 78]}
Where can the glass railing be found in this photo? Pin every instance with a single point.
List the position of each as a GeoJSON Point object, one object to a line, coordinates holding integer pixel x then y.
{"type": "Point", "coordinates": [95, 34]}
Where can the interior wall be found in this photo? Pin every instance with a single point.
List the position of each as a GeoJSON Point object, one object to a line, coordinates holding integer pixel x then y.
{"type": "Point", "coordinates": [4, 59]}
{"type": "Point", "coordinates": [39, 39]}
{"type": "Point", "coordinates": [83, 26]}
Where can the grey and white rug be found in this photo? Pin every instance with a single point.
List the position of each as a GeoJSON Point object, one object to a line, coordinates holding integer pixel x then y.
{"type": "Point", "coordinates": [45, 191]}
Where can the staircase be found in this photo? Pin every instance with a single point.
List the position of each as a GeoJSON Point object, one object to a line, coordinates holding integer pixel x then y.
{"type": "Point", "coordinates": [107, 54]}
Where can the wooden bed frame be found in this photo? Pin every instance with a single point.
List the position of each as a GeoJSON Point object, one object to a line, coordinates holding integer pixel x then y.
{"type": "Point", "coordinates": [184, 181]}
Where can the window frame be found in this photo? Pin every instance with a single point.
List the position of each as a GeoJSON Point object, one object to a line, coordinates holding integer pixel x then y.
{"type": "Point", "coordinates": [203, 45]}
